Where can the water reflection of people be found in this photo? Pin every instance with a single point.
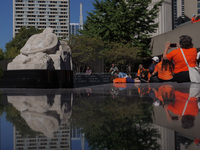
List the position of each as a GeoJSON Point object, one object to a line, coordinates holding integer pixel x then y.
{"type": "Point", "coordinates": [88, 91]}
{"type": "Point", "coordinates": [114, 92]}
{"type": "Point", "coordinates": [163, 93]}
{"type": "Point", "coordinates": [184, 108]}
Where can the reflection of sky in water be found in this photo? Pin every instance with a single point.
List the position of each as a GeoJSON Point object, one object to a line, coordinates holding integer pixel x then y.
{"type": "Point", "coordinates": [6, 129]}
{"type": "Point", "coordinates": [106, 107]}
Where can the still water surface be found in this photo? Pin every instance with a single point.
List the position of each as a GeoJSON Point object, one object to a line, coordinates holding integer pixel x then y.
{"type": "Point", "coordinates": [144, 116]}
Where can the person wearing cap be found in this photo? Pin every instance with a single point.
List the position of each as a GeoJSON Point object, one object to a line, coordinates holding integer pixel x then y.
{"type": "Point", "coordinates": [193, 19]}
{"type": "Point", "coordinates": [155, 60]}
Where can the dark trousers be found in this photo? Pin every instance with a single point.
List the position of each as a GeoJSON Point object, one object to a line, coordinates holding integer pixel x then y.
{"type": "Point", "coordinates": [182, 77]}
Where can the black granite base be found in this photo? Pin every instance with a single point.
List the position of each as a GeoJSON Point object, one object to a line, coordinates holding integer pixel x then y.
{"type": "Point", "coordinates": [37, 79]}
{"type": "Point", "coordinates": [83, 80]}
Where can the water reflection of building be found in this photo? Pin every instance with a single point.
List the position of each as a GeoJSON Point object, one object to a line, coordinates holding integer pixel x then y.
{"type": "Point", "coordinates": [172, 140]}
{"type": "Point", "coordinates": [60, 140]}
{"type": "Point", "coordinates": [167, 138]}
{"type": "Point", "coordinates": [78, 139]}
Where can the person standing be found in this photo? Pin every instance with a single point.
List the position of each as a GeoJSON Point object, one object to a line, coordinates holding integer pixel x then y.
{"type": "Point", "coordinates": [181, 71]}
{"type": "Point", "coordinates": [193, 20]}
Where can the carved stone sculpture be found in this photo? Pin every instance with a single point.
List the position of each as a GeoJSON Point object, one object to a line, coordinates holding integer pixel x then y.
{"type": "Point", "coordinates": [43, 51]}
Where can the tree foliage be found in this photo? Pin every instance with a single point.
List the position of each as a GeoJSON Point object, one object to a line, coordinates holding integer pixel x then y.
{"type": "Point", "coordinates": [115, 124]}
{"type": "Point", "coordinates": [13, 47]}
{"type": "Point", "coordinates": [1, 54]}
{"type": "Point", "coordinates": [122, 54]}
{"type": "Point", "coordinates": [118, 20]}
{"type": "Point", "coordinates": [85, 49]}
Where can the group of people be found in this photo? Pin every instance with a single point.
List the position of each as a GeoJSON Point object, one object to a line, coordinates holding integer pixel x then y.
{"type": "Point", "coordinates": [179, 104]}
{"type": "Point", "coordinates": [172, 66]}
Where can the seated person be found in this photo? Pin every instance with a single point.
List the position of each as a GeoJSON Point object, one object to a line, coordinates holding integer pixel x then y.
{"type": "Point", "coordinates": [155, 61]}
{"type": "Point", "coordinates": [88, 71]}
{"type": "Point", "coordinates": [113, 69]}
{"type": "Point", "coordinates": [145, 75]}
{"type": "Point", "coordinates": [140, 70]}
{"type": "Point", "coordinates": [164, 69]}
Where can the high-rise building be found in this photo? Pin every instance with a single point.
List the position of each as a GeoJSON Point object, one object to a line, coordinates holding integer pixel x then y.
{"type": "Point", "coordinates": [60, 140]}
{"type": "Point", "coordinates": [42, 14]}
{"type": "Point", "coordinates": [75, 27]}
{"type": "Point", "coordinates": [164, 18]}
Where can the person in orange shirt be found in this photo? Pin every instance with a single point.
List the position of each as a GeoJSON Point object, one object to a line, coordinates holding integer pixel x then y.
{"type": "Point", "coordinates": [193, 20]}
{"type": "Point", "coordinates": [165, 70]}
{"type": "Point", "coordinates": [164, 92]}
{"type": "Point", "coordinates": [184, 108]}
{"type": "Point", "coordinates": [143, 74]}
{"type": "Point", "coordinates": [140, 69]}
{"type": "Point", "coordinates": [181, 71]}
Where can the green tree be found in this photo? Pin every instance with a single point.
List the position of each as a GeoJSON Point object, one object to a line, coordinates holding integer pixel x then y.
{"type": "Point", "coordinates": [84, 50]}
{"type": "Point", "coordinates": [1, 54]}
{"type": "Point", "coordinates": [13, 47]}
{"type": "Point", "coordinates": [122, 54]}
{"type": "Point", "coordinates": [121, 21]}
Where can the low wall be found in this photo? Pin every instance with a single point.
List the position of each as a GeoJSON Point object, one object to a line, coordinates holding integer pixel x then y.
{"type": "Point", "coordinates": [82, 80]}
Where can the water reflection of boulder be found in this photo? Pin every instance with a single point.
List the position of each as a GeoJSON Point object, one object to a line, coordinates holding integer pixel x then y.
{"type": "Point", "coordinates": [41, 122]}
{"type": "Point", "coordinates": [43, 113]}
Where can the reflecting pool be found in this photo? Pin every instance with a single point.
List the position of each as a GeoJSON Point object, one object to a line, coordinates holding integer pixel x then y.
{"type": "Point", "coordinates": [122, 116]}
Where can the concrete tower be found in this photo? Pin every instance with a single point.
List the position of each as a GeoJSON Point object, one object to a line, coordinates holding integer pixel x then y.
{"type": "Point", "coordinates": [81, 16]}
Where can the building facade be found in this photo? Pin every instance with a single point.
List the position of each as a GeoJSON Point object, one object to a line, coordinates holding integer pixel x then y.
{"type": "Point", "coordinates": [60, 140]}
{"type": "Point", "coordinates": [164, 18]}
{"type": "Point", "coordinates": [42, 14]}
{"type": "Point", "coordinates": [174, 13]}
{"type": "Point", "coordinates": [74, 28]}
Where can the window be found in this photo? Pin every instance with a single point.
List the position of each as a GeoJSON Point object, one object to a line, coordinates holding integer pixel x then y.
{"type": "Point", "coordinates": [198, 11]}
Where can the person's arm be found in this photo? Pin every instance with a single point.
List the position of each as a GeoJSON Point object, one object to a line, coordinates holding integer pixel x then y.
{"type": "Point", "coordinates": [167, 113]}
{"type": "Point", "coordinates": [90, 72]}
{"type": "Point", "coordinates": [154, 73]}
{"type": "Point", "coordinates": [167, 47]}
{"type": "Point", "coordinates": [111, 69]}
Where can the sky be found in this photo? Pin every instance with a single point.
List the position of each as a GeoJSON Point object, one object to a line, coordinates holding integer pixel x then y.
{"type": "Point", "coordinates": [6, 134]}
{"type": "Point", "coordinates": [6, 17]}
